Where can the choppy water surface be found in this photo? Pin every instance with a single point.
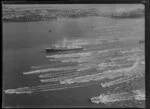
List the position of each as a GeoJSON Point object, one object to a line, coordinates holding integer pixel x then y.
{"type": "Point", "coordinates": [108, 70]}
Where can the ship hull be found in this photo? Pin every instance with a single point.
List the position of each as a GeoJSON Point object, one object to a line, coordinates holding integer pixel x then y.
{"type": "Point", "coordinates": [48, 50]}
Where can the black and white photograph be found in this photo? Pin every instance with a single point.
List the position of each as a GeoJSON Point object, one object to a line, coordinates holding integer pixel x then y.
{"type": "Point", "coordinates": [73, 55]}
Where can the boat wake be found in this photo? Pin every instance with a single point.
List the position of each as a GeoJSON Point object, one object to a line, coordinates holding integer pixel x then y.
{"type": "Point", "coordinates": [115, 66]}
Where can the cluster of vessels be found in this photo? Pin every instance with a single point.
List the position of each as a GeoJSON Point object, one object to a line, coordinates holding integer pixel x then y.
{"type": "Point", "coordinates": [107, 67]}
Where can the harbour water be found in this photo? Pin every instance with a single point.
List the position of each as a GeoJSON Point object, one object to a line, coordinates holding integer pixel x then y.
{"type": "Point", "coordinates": [24, 46]}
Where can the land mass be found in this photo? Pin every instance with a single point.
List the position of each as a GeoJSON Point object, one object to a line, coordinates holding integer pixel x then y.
{"type": "Point", "coordinates": [29, 14]}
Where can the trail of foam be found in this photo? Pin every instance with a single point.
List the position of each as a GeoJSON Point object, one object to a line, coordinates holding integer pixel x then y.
{"type": "Point", "coordinates": [79, 78]}
{"type": "Point", "coordinates": [57, 87]}
{"type": "Point", "coordinates": [50, 65]}
{"type": "Point", "coordinates": [40, 66]}
{"type": "Point", "coordinates": [49, 70]}
{"type": "Point", "coordinates": [70, 55]}
{"type": "Point", "coordinates": [107, 74]}
{"type": "Point", "coordinates": [56, 74]}
{"type": "Point", "coordinates": [55, 69]}
{"type": "Point", "coordinates": [89, 56]}
{"type": "Point", "coordinates": [79, 60]}
{"type": "Point", "coordinates": [69, 76]}
{"type": "Point", "coordinates": [92, 77]}
{"type": "Point", "coordinates": [29, 89]}
{"type": "Point", "coordinates": [91, 65]}
{"type": "Point", "coordinates": [80, 42]}
{"type": "Point", "coordinates": [120, 80]}
{"type": "Point", "coordinates": [70, 86]}
{"type": "Point", "coordinates": [44, 88]}
{"type": "Point", "coordinates": [45, 75]}
{"type": "Point", "coordinates": [131, 50]}
{"type": "Point", "coordinates": [91, 59]}
{"type": "Point", "coordinates": [86, 78]}
{"type": "Point", "coordinates": [49, 80]}
{"type": "Point", "coordinates": [81, 54]}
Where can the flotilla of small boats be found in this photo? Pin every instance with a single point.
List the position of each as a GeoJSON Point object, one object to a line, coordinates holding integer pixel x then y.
{"type": "Point", "coordinates": [117, 69]}
{"type": "Point", "coordinates": [116, 65]}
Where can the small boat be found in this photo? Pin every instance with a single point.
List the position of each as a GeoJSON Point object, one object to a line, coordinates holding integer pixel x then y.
{"type": "Point", "coordinates": [64, 47]}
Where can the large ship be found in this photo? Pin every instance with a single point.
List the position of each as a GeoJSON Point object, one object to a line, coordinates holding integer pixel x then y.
{"type": "Point", "coordinates": [64, 46]}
